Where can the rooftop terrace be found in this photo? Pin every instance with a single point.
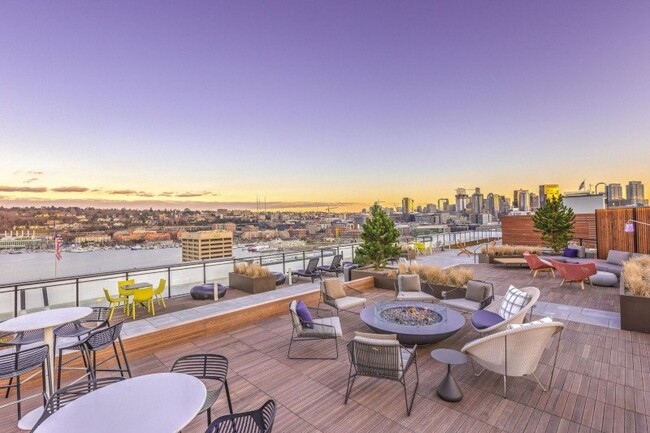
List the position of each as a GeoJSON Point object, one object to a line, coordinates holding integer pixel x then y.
{"type": "Point", "coordinates": [602, 381]}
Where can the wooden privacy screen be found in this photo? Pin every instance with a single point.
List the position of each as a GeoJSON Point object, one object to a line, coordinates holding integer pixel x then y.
{"type": "Point", "coordinates": [519, 230]}
{"type": "Point", "coordinates": [604, 230]}
{"type": "Point", "coordinates": [611, 231]}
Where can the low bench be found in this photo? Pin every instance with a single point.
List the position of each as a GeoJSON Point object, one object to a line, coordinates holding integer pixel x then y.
{"type": "Point", "coordinates": [519, 261]}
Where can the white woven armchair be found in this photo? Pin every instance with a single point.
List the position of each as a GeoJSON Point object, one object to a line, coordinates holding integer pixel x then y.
{"type": "Point", "coordinates": [495, 307]}
{"type": "Point", "coordinates": [515, 352]}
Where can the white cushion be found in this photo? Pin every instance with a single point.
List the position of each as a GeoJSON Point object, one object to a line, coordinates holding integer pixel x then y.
{"type": "Point", "coordinates": [513, 302]}
{"type": "Point", "coordinates": [347, 302]}
{"type": "Point", "coordinates": [414, 296]}
{"type": "Point", "coordinates": [534, 322]}
{"type": "Point", "coordinates": [462, 304]}
{"type": "Point", "coordinates": [324, 330]}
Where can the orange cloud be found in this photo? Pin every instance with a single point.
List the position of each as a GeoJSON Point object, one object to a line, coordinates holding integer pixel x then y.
{"type": "Point", "coordinates": [69, 189]}
{"type": "Point", "coordinates": [22, 189]}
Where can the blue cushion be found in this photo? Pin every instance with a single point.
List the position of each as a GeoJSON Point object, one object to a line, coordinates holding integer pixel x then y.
{"type": "Point", "coordinates": [482, 319]}
{"type": "Point", "coordinates": [303, 315]}
{"type": "Point", "coordinates": [570, 252]}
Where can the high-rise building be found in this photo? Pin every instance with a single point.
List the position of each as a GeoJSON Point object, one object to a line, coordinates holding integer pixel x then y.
{"type": "Point", "coordinates": [634, 193]}
{"type": "Point", "coordinates": [443, 204]}
{"type": "Point", "coordinates": [461, 200]}
{"type": "Point", "coordinates": [523, 200]}
{"type": "Point", "coordinates": [408, 205]}
{"type": "Point", "coordinates": [548, 191]}
{"type": "Point", "coordinates": [477, 201]}
{"type": "Point", "coordinates": [614, 194]}
{"type": "Point", "coordinates": [493, 204]}
{"type": "Point", "coordinates": [206, 245]}
{"type": "Point", "coordinates": [534, 201]}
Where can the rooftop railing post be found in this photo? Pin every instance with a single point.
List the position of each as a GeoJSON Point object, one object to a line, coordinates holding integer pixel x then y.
{"type": "Point", "coordinates": [321, 255]}
{"type": "Point", "coordinates": [169, 282]}
{"type": "Point", "coordinates": [284, 264]}
{"type": "Point", "coordinates": [204, 280]}
{"type": "Point", "coordinates": [76, 301]}
{"type": "Point", "coordinates": [16, 301]}
{"type": "Point", "coordinates": [303, 260]}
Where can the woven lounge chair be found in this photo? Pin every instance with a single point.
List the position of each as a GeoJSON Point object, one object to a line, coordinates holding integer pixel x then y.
{"type": "Point", "coordinates": [334, 267]}
{"type": "Point", "coordinates": [409, 288]}
{"type": "Point", "coordinates": [326, 328]}
{"type": "Point", "coordinates": [515, 352]}
{"type": "Point", "coordinates": [381, 357]}
{"type": "Point", "coordinates": [476, 296]}
{"type": "Point", "coordinates": [332, 293]}
{"type": "Point", "coordinates": [310, 272]}
{"type": "Point", "coordinates": [484, 321]}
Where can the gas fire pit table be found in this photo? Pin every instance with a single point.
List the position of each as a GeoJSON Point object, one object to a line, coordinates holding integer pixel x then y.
{"type": "Point", "coordinates": [413, 322]}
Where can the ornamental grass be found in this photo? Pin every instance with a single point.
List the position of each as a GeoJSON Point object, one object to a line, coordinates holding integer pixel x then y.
{"type": "Point", "coordinates": [252, 270]}
{"type": "Point", "coordinates": [636, 275]}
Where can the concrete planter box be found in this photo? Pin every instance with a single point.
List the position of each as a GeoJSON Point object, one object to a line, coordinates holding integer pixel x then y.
{"type": "Point", "coordinates": [381, 280]}
{"type": "Point", "coordinates": [483, 258]}
{"type": "Point", "coordinates": [250, 284]}
{"type": "Point", "coordinates": [634, 311]}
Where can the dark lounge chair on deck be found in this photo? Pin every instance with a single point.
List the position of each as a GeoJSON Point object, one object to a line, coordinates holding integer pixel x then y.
{"type": "Point", "coordinates": [311, 271]}
{"type": "Point", "coordinates": [335, 266]}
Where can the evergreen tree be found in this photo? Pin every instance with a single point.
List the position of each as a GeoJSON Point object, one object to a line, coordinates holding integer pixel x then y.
{"type": "Point", "coordinates": [379, 238]}
{"type": "Point", "coordinates": [555, 222]}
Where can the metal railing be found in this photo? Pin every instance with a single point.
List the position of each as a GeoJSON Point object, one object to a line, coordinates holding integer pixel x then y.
{"type": "Point", "coordinates": [87, 289]}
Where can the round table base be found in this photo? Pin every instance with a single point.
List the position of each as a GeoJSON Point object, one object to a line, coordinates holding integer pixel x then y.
{"type": "Point", "coordinates": [449, 390]}
{"type": "Point", "coordinates": [29, 420]}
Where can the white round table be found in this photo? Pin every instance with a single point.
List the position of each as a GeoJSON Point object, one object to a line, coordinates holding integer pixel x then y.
{"type": "Point", "coordinates": [46, 320]}
{"type": "Point", "coordinates": [156, 403]}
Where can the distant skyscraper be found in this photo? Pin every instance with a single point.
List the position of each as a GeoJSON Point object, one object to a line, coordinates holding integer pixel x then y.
{"type": "Point", "coordinates": [477, 201]}
{"type": "Point", "coordinates": [408, 205]}
{"type": "Point", "coordinates": [548, 191]}
{"type": "Point", "coordinates": [461, 200]}
{"type": "Point", "coordinates": [634, 193]}
{"type": "Point", "coordinates": [614, 194]}
{"type": "Point", "coordinates": [443, 204]}
{"type": "Point", "coordinates": [493, 204]}
{"type": "Point", "coordinates": [523, 200]}
{"type": "Point", "coordinates": [534, 201]}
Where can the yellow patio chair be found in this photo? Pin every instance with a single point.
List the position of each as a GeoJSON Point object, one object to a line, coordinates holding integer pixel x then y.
{"type": "Point", "coordinates": [419, 247]}
{"type": "Point", "coordinates": [115, 302]}
{"type": "Point", "coordinates": [158, 293]}
{"type": "Point", "coordinates": [143, 295]}
{"type": "Point", "coordinates": [126, 293]}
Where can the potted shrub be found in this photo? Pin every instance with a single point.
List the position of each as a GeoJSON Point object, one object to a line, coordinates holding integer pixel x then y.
{"type": "Point", "coordinates": [635, 294]}
{"type": "Point", "coordinates": [379, 243]}
{"type": "Point", "coordinates": [251, 278]}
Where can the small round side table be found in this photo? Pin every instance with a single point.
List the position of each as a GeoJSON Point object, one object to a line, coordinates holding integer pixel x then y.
{"type": "Point", "coordinates": [448, 389]}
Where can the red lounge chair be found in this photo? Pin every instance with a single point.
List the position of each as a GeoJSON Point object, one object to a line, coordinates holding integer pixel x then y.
{"type": "Point", "coordinates": [536, 264]}
{"type": "Point", "coordinates": [575, 272]}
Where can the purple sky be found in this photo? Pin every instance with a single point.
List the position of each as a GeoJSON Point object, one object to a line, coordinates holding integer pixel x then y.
{"type": "Point", "coordinates": [318, 102]}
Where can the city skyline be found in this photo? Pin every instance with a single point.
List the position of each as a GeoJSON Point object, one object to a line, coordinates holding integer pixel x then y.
{"type": "Point", "coordinates": [308, 105]}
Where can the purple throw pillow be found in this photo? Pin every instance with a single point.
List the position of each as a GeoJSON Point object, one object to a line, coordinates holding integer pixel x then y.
{"type": "Point", "coordinates": [570, 252]}
{"type": "Point", "coordinates": [303, 315]}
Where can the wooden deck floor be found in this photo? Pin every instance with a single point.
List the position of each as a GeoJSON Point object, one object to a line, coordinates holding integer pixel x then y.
{"type": "Point", "coordinates": [602, 382]}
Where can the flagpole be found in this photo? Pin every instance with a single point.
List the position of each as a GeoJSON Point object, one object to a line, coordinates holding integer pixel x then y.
{"type": "Point", "coordinates": [55, 259]}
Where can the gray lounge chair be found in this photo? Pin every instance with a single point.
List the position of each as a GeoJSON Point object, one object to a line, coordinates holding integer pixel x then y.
{"type": "Point", "coordinates": [310, 272]}
{"type": "Point", "coordinates": [335, 266]}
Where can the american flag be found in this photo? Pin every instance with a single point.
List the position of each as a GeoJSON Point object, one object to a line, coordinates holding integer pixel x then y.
{"type": "Point", "coordinates": [57, 246]}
